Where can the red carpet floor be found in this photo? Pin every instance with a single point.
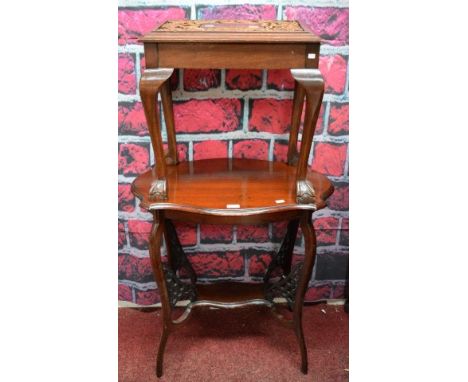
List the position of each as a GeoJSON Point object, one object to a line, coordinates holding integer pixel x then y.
{"type": "Point", "coordinates": [234, 345]}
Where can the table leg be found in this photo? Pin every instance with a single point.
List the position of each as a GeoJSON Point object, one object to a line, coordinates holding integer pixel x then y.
{"type": "Point", "coordinates": [309, 260]}
{"type": "Point", "coordinates": [150, 85]}
{"type": "Point", "coordinates": [155, 255]}
{"type": "Point", "coordinates": [312, 82]}
{"type": "Point", "coordinates": [171, 288]}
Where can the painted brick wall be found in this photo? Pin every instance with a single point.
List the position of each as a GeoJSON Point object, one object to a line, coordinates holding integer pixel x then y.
{"type": "Point", "coordinates": [235, 113]}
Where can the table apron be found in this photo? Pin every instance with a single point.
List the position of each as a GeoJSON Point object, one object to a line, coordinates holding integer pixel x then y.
{"type": "Point", "coordinates": [260, 218]}
{"type": "Point", "coordinates": [231, 55]}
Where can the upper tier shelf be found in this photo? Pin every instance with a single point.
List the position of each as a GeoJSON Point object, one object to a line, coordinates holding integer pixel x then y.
{"type": "Point", "coordinates": [231, 31]}
{"type": "Point", "coordinates": [231, 187]}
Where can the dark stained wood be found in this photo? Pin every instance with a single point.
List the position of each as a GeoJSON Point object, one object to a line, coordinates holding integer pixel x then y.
{"type": "Point", "coordinates": [209, 44]}
{"type": "Point", "coordinates": [234, 56]}
{"type": "Point", "coordinates": [209, 186]}
{"type": "Point", "coordinates": [298, 104]}
{"type": "Point", "coordinates": [231, 191]}
{"type": "Point", "coordinates": [155, 255]}
{"type": "Point", "coordinates": [312, 82]}
{"type": "Point", "coordinates": [150, 84]}
{"type": "Point", "coordinates": [309, 254]}
{"type": "Point", "coordinates": [312, 56]}
{"type": "Point", "coordinates": [166, 100]}
{"type": "Point", "coordinates": [151, 56]}
{"type": "Point", "coordinates": [260, 217]}
{"type": "Point", "coordinates": [231, 31]}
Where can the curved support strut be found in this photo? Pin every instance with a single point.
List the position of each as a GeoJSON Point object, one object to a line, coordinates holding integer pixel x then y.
{"type": "Point", "coordinates": [309, 83]}
{"type": "Point", "coordinates": [152, 82]}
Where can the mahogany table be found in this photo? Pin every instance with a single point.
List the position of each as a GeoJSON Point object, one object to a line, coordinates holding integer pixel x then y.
{"type": "Point", "coordinates": [231, 191]}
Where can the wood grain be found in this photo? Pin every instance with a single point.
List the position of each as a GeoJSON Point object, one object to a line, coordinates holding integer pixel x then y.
{"type": "Point", "coordinates": [208, 186]}
{"type": "Point", "coordinates": [233, 56]}
{"type": "Point", "coordinates": [231, 31]}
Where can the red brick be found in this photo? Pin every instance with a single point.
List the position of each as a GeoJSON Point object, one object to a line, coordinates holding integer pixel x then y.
{"type": "Point", "coordinates": [333, 69]}
{"type": "Point", "coordinates": [201, 79]}
{"type": "Point", "coordinates": [338, 123]}
{"type": "Point", "coordinates": [331, 24]}
{"type": "Point", "coordinates": [125, 293]}
{"type": "Point", "coordinates": [319, 292]}
{"type": "Point", "coordinates": [296, 257]}
{"type": "Point", "coordinates": [134, 268]}
{"type": "Point", "coordinates": [326, 230]}
{"type": "Point", "coordinates": [253, 233]}
{"type": "Point", "coordinates": [280, 79]}
{"type": "Point", "coordinates": [208, 116]}
{"type": "Point", "coordinates": [339, 200]}
{"type": "Point", "coordinates": [218, 264]}
{"type": "Point", "coordinates": [147, 297]}
{"type": "Point", "coordinates": [133, 158]}
{"type": "Point", "coordinates": [270, 115]}
{"type": "Point", "coordinates": [318, 125]}
{"type": "Point", "coordinates": [329, 158]}
{"type": "Point", "coordinates": [187, 233]}
{"type": "Point", "coordinates": [127, 77]}
{"type": "Point", "coordinates": [132, 119]}
{"type": "Point", "coordinates": [344, 232]}
{"type": "Point", "coordinates": [182, 151]}
{"type": "Point", "coordinates": [134, 23]}
{"type": "Point", "coordinates": [240, 12]}
{"type": "Point", "coordinates": [251, 149]}
{"type": "Point", "coordinates": [243, 79]}
{"type": "Point", "coordinates": [126, 198]}
{"type": "Point", "coordinates": [210, 233]}
{"type": "Point", "coordinates": [280, 152]}
{"type": "Point", "coordinates": [278, 231]}
{"type": "Point", "coordinates": [210, 150]}
{"type": "Point", "coordinates": [258, 264]}
{"type": "Point", "coordinates": [122, 237]}
{"type": "Point", "coordinates": [139, 231]}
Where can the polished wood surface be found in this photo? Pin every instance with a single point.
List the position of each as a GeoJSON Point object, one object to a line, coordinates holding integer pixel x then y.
{"type": "Point", "coordinates": [151, 83]}
{"type": "Point", "coordinates": [231, 191]}
{"type": "Point", "coordinates": [210, 186]}
{"type": "Point", "coordinates": [311, 81]}
{"type": "Point", "coordinates": [232, 56]}
{"type": "Point", "coordinates": [232, 44]}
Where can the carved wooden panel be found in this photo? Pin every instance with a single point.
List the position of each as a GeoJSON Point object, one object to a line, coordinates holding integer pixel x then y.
{"type": "Point", "coordinates": [234, 31]}
{"type": "Point", "coordinates": [230, 26]}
